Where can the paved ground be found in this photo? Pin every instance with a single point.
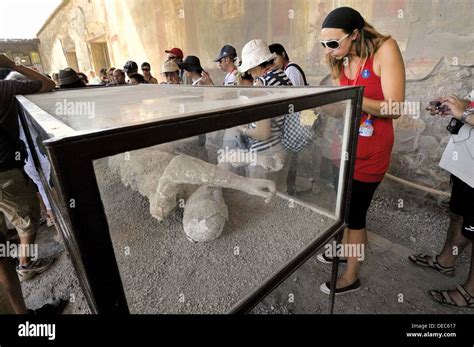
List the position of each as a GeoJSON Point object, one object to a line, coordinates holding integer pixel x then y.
{"type": "Point", "coordinates": [390, 283]}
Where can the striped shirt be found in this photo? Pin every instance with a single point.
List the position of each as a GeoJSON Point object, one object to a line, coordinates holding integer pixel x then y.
{"type": "Point", "coordinates": [272, 78]}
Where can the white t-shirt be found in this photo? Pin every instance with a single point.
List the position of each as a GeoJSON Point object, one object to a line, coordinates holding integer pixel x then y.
{"type": "Point", "coordinates": [458, 157]}
{"type": "Point", "coordinates": [294, 75]}
{"type": "Point", "coordinates": [95, 81]}
{"type": "Point", "coordinates": [229, 79]}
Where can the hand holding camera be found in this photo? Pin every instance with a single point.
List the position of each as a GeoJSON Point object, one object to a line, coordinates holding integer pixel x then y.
{"type": "Point", "coordinates": [436, 107]}
{"type": "Point", "coordinates": [451, 105]}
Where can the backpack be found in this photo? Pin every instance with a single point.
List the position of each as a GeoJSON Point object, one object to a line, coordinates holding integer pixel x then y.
{"type": "Point", "coordinates": [301, 72]}
{"type": "Point", "coordinates": [296, 136]}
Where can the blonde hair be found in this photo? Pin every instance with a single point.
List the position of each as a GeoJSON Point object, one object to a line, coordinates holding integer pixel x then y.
{"type": "Point", "coordinates": [367, 43]}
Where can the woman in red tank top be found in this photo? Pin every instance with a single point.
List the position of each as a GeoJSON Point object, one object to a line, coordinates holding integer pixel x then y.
{"type": "Point", "coordinates": [358, 55]}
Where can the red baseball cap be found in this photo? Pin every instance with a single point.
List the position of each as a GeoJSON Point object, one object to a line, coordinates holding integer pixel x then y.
{"type": "Point", "coordinates": [176, 51]}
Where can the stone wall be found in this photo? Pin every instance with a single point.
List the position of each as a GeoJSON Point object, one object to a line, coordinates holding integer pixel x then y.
{"type": "Point", "coordinates": [420, 140]}
{"type": "Point", "coordinates": [435, 37]}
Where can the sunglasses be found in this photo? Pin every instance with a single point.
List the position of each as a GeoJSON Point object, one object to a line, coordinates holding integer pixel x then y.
{"type": "Point", "coordinates": [145, 69]}
{"type": "Point", "coordinates": [334, 44]}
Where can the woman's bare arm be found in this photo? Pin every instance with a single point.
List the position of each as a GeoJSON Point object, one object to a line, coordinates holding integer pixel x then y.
{"type": "Point", "coordinates": [392, 75]}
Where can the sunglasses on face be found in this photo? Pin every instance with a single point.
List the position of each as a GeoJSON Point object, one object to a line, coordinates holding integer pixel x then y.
{"type": "Point", "coordinates": [334, 44]}
{"type": "Point", "coordinates": [145, 69]}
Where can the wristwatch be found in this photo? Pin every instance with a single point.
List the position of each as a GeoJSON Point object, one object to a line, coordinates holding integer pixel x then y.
{"type": "Point", "coordinates": [466, 114]}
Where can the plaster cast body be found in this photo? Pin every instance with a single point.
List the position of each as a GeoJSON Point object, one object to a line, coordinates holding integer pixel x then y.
{"type": "Point", "coordinates": [165, 178]}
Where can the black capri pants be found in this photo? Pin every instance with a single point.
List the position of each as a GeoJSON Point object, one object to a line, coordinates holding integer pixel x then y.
{"type": "Point", "coordinates": [361, 197]}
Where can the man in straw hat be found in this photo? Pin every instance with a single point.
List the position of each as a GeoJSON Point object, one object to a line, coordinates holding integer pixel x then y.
{"type": "Point", "coordinates": [170, 70]}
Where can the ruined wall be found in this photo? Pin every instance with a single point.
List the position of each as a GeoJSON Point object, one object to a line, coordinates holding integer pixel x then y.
{"type": "Point", "coordinates": [426, 31]}
{"type": "Point", "coordinates": [421, 139]}
{"type": "Point", "coordinates": [75, 24]}
{"type": "Point", "coordinates": [141, 30]}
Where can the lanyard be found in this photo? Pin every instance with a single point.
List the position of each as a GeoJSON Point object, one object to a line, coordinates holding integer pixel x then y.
{"type": "Point", "coordinates": [360, 67]}
{"type": "Point", "coordinates": [359, 70]}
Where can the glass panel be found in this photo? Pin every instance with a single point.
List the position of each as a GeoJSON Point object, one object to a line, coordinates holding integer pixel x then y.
{"type": "Point", "coordinates": [129, 105]}
{"type": "Point", "coordinates": [320, 165]}
{"type": "Point", "coordinates": [197, 224]}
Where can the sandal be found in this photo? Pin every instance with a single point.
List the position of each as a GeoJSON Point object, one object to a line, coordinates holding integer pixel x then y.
{"type": "Point", "coordinates": [442, 297]}
{"type": "Point", "coordinates": [431, 262]}
{"type": "Point", "coordinates": [32, 268]}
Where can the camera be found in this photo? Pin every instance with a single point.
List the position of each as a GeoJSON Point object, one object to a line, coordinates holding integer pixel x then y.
{"type": "Point", "coordinates": [454, 126]}
{"type": "Point", "coordinates": [436, 107]}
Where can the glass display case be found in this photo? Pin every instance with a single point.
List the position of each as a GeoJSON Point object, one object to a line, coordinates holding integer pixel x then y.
{"type": "Point", "coordinates": [174, 199]}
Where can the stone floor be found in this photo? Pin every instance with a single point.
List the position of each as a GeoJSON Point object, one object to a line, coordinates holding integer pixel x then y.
{"type": "Point", "coordinates": [391, 284]}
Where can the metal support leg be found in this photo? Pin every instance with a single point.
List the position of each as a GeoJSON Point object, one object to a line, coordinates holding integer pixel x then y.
{"type": "Point", "coordinates": [334, 273]}
{"type": "Point", "coordinates": [291, 178]}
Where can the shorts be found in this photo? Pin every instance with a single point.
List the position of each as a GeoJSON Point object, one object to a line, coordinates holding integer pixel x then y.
{"type": "Point", "coordinates": [18, 202]}
{"type": "Point", "coordinates": [462, 204]}
{"type": "Point", "coordinates": [361, 197]}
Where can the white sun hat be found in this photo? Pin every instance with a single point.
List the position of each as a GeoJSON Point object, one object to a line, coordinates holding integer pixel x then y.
{"type": "Point", "coordinates": [254, 53]}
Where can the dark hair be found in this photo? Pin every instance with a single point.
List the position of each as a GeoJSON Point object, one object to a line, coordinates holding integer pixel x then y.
{"type": "Point", "coordinates": [247, 76]}
{"type": "Point", "coordinates": [120, 71]}
{"type": "Point", "coordinates": [197, 69]}
{"type": "Point", "coordinates": [138, 77]}
{"type": "Point", "coordinates": [103, 71]}
{"type": "Point", "coordinates": [267, 63]}
{"type": "Point", "coordinates": [145, 64]}
{"type": "Point", "coordinates": [279, 50]}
